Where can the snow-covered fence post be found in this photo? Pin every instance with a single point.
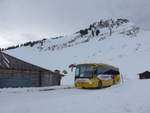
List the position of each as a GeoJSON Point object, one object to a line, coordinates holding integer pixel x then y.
{"type": "Point", "coordinates": [122, 79]}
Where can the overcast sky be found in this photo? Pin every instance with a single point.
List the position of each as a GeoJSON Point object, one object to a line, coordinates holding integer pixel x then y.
{"type": "Point", "coordinates": [24, 20]}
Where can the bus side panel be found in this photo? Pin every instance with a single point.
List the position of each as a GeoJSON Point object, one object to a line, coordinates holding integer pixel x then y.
{"type": "Point", "coordinates": [107, 82]}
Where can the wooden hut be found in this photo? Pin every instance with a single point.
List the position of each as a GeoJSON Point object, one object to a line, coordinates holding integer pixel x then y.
{"type": "Point", "coordinates": [17, 73]}
{"type": "Point", "coordinates": [144, 75]}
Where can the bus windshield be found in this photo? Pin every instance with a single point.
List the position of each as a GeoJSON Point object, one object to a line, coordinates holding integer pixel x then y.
{"type": "Point", "coordinates": [84, 71]}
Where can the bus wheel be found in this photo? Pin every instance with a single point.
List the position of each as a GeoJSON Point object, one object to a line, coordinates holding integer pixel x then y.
{"type": "Point", "coordinates": [100, 84]}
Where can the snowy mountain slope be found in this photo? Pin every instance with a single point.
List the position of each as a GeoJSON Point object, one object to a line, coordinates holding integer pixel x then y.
{"type": "Point", "coordinates": [119, 42]}
{"type": "Point", "coordinates": [126, 47]}
{"type": "Point", "coordinates": [101, 30]}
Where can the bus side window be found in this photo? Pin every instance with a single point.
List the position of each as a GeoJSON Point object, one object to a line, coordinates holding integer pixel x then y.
{"type": "Point", "coordinates": [111, 71]}
{"type": "Point", "coordinates": [95, 73]}
{"type": "Point", "coordinates": [101, 69]}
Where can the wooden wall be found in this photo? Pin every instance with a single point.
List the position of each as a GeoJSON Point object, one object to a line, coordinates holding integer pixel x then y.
{"type": "Point", "coordinates": [16, 78]}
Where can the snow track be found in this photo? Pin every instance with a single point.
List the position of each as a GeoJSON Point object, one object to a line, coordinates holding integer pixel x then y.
{"type": "Point", "coordinates": [36, 89]}
{"type": "Point", "coordinates": [130, 97]}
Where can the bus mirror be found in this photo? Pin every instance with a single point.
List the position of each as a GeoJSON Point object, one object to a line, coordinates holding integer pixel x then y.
{"type": "Point", "coordinates": [72, 66]}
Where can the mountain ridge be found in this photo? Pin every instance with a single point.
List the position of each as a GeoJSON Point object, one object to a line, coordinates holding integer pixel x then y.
{"type": "Point", "coordinates": [101, 29]}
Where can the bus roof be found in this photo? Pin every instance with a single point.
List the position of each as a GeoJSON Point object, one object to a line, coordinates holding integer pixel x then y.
{"type": "Point", "coordinates": [99, 64]}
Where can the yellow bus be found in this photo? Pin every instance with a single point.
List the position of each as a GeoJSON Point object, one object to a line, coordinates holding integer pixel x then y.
{"type": "Point", "coordinates": [96, 75]}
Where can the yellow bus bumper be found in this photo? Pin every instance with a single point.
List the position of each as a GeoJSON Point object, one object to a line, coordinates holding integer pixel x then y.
{"type": "Point", "coordinates": [86, 85]}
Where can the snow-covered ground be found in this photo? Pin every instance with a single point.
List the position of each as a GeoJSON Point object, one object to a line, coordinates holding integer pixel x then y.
{"type": "Point", "coordinates": [132, 96]}
{"type": "Point", "coordinates": [130, 53]}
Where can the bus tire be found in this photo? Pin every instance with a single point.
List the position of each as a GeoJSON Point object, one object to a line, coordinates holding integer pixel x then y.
{"type": "Point", "coordinates": [100, 85]}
